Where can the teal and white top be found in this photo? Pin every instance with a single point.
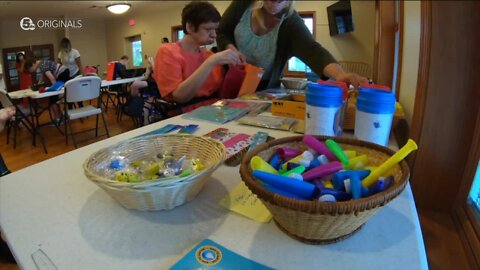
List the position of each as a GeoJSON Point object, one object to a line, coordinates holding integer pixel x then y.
{"type": "Point", "coordinates": [258, 50]}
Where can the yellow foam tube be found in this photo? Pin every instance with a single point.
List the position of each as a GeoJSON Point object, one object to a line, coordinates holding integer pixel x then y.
{"type": "Point", "coordinates": [389, 163]}
{"type": "Point", "coordinates": [350, 153]}
{"type": "Point", "coordinates": [357, 162]}
{"type": "Point", "coordinates": [257, 163]}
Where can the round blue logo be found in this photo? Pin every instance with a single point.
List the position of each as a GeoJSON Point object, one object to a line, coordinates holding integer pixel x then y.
{"type": "Point", "coordinates": [208, 255]}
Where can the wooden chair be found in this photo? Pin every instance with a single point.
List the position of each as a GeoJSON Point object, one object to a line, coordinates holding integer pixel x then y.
{"type": "Point", "coordinates": [360, 68]}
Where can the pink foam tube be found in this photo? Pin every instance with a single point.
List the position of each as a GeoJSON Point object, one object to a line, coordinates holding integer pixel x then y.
{"type": "Point", "coordinates": [319, 147]}
{"type": "Point", "coordinates": [322, 171]}
{"type": "Point", "coordinates": [287, 153]}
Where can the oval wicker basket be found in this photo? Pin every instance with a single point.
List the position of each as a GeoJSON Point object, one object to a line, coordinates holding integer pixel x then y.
{"type": "Point", "coordinates": [160, 194]}
{"type": "Point", "coordinates": [316, 222]}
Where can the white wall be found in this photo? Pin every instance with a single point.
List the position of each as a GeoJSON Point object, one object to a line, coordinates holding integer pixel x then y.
{"type": "Point", "coordinates": [154, 23]}
{"type": "Point", "coordinates": [411, 49]}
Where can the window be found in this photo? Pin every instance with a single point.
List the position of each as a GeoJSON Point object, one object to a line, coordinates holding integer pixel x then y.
{"type": "Point", "coordinates": [474, 196]}
{"type": "Point", "coordinates": [177, 33]}
{"type": "Point", "coordinates": [137, 53]}
{"type": "Point", "coordinates": [295, 67]}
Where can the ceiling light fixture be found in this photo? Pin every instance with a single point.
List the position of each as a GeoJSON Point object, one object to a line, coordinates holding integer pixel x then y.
{"type": "Point", "coordinates": [119, 8]}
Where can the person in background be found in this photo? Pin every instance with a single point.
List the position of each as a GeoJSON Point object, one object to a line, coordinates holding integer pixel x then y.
{"type": "Point", "coordinates": [51, 73]}
{"type": "Point", "coordinates": [2, 81]}
{"type": "Point", "coordinates": [165, 40]}
{"type": "Point", "coordinates": [5, 115]}
{"type": "Point", "coordinates": [24, 76]}
{"type": "Point", "coordinates": [186, 73]}
{"type": "Point", "coordinates": [268, 33]}
{"type": "Point", "coordinates": [146, 82]}
{"type": "Point", "coordinates": [121, 68]}
{"type": "Point", "coordinates": [70, 58]}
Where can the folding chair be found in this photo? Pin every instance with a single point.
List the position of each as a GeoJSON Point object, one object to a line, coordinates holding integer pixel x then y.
{"type": "Point", "coordinates": [21, 116]}
{"type": "Point", "coordinates": [83, 89]}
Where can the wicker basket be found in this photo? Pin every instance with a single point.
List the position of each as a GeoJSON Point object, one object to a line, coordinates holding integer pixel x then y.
{"type": "Point", "coordinates": [322, 222]}
{"type": "Point", "coordinates": [158, 194]}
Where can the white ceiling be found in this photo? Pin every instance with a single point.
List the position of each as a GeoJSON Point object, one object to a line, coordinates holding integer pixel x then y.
{"type": "Point", "coordinates": [74, 9]}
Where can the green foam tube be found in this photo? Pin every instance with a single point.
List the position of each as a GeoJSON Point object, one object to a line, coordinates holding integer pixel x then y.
{"type": "Point", "coordinates": [389, 163]}
{"type": "Point", "coordinates": [337, 151]}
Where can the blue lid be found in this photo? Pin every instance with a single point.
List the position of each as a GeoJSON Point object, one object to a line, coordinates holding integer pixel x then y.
{"type": "Point", "coordinates": [375, 101]}
{"type": "Point", "coordinates": [324, 95]}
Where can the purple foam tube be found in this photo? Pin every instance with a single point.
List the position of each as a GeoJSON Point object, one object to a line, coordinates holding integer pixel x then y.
{"type": "Point", "coordinates": [299, 188]}
{"type": "Point", "coordinates": [319, 147]}
{"type": "Point", "coordinates": [286, 153]}
{"type": "Point", "coordinates": [339, 195]}
{"type": "Point", "coordinates": [283, 192]}
{"type": "Point", "coordinates": [275, 161]}
{"type": "Point", "coordinates": [322, 171]}
{"type": "Point", "coordinates": [355, 186]}
{"type": "Point", "coordinates": [338, 178]}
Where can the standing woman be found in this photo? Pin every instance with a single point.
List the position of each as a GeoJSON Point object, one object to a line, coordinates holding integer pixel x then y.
{"type": "Point", "coordinates": [70, 58]}
{"type": "Point", "coordinates": [268, 33]}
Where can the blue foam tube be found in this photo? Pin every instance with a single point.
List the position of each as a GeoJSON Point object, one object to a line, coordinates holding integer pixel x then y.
{"type": "Point", "coordinates": [299, 188]}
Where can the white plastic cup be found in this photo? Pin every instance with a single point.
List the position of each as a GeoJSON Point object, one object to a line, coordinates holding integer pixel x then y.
{"type": "Point", "coordinates": [322, 112]}
{"type": "Point", "coordinates": [374, 115]}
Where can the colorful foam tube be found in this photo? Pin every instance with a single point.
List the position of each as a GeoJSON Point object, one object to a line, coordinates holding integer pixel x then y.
{"type": "Point", "coordinates": [358, 162]}
{"type": "Point", "coordinates": [275, 161]}
{"type": "Point", "coordinates": [337, 151]}
{"type": "Point", "coordinates": [356, 186]}
{"type": "Point", "coordinates": [339, 177]}
{"type": "Point", "coordinates": [381, 185]}
{"type": "Point", "coordinates": [339, 195]}
{"type": "Point", "coordinates": [299, 188]}
{"type": "Point", "coordinates": [288, 153]}
{"type": "Point", "coordinates": [304, 158]}
{"type": "Point", "coordinates": [299, 169]}
{"type": "Point", "coordinates": [350, 153]}
{"type": "Point", "coordinates": [322, 171]}
{"type": "Point", "coordinates": [318, 147]}
{"type": "Point", "coordinates": [257, 163]}
{"type": "Point", "coordinates": [282, 192]}
{"type": "Point", "coordinates": [389, 163]}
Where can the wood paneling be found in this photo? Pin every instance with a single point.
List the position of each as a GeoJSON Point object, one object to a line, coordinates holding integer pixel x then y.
{"type": "Point", "coordinates": [384, 56]}
{"type": "Point", "coordinates": [448, 101]}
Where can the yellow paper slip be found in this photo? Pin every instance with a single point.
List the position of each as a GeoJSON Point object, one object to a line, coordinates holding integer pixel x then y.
{"type": "Point", "coordinates": [242, 201]}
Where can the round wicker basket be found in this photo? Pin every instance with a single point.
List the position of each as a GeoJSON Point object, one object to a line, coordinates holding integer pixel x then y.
{"type": "Point", "coordinates": [316, 222]}
{"type": "Point", "coordinates": [160, 194]}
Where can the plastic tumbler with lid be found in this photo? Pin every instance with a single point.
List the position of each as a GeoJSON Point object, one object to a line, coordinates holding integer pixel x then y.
{"type": "Point", "coordinates": [322, 113]}
{"type": "Point", "coordinates": [373, 118]}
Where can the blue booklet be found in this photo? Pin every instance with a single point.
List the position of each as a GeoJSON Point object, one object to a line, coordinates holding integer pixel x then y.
{"type": "Point", "coordinates": [210, 255]}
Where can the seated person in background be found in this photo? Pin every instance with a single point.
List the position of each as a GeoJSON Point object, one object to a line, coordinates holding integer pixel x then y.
{"type": "Point", "coordinates": [5, 115]}
{"type": "Point", "coordinates": [51, 73]}
{"type": "Point", "coordinates": [268, 33]}
{"type": "Point", "coordinates": [146, 82]}
{"type": "Point", "coordinates": [121, 68]}
{"type": "Point", "coordinates": [186, 73]}
{"type": "Point", "coordinates": [165, 40]}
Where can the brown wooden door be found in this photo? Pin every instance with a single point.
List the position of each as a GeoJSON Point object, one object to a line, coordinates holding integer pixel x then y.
{"type": "Point", "coordinates": [36, 52]}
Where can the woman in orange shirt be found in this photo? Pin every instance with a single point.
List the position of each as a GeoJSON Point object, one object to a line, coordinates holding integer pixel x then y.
{"type": "Point", "coordinates": [25, 77]}
{"type": "Point", "coordinates": [186, 73]}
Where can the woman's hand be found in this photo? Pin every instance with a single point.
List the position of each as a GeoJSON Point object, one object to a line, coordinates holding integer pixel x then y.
{"type": "Point", "coordinates": [227, 57]}
{"type": "Point", "coordinates": [351, 78]}
{"type": "Point", "coordinates": [240, 55]}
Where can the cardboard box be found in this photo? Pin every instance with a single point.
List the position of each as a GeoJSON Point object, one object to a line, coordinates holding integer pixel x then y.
{"type": "Point", "coordinates": [291, 106]}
